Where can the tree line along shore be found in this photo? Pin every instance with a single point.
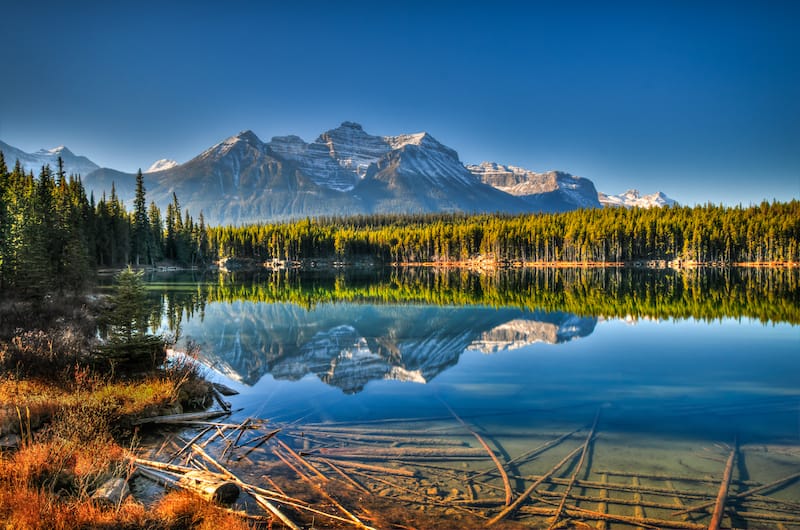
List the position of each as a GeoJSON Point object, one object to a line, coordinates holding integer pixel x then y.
{"type": "Point", "coordinates": [53, 236]}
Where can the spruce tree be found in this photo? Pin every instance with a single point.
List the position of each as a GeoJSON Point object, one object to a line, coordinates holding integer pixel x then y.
{"type": "Point", "coordinates": [129, 343]}
{"type": "Point", "coordinates": [140, 240]}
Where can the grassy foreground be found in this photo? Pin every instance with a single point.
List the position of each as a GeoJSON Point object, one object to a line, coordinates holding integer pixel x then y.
{"type": "Point", "coordinates": [66, 426]}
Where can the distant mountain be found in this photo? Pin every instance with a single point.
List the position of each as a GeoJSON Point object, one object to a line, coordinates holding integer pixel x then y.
{"type": "Point", "coordinates": [73, 164]}
{"type": "Point", "coordinates": [161, 165]}
{"type": "Point", "coordinates": [345, 171]}
{"type": "Point", "coordinates": [549, 191]}
{"type": "Point", "coordinates": [632, 198]}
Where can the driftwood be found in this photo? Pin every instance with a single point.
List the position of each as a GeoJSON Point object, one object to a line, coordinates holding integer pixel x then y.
{"type": "Point", "coordinates": [544, 447]}
{"type": "Point", "coordinates": [303, 461]}
{"type": "Point", "coordinates": [209, 486]}
{"type": "Point", "coordinates": [224, 390]}
{"type": "Point", "coordinates": [181, 417]}
{"type": "Point", "coordinates": [380, 438]}
{"type": "Point", "coordinates": [580, 513]}
{"type": "Point", "coordinates": [190, 442]}
{"type": "Point", "coordinates": [584, 452]}
{"type": "Point", "coordinates": [239, 430]}
{"type": "Point", "coordinates": [503, 474]}
{"type": "Point", "coordinates": [527, 493]}
{"type": "Point", "coordinates": [400, 471]}
{"type": "Point", "coordinates": [716, 517]}
{"type": "Point", "coordinates": [347, 478]}
{"type": "Point", "coordinates": [385, 453]}
{"type": "Point", "coordinates": [616, 486]}
{"type": "Point", "coordinates": [638, 510]}
{"type": "Point", "coordinates": [112, 492]}
{"type": "Point", "coordinates": [602, 503]}
{"type": "Point", "coordinates": [262, 501]}
{"type": "Point", "coordinates": [419, 498]}
{"type": "Point", "coordinates": [218, 398]}
{"type": "Point", "coordinates": [259, 441]}
{"type": "Point", "coordinates": [353, 519]}
{"type": "Point", "coordinates": [744, 494]}
{"type": "Point", "coordinates": [674, 478]}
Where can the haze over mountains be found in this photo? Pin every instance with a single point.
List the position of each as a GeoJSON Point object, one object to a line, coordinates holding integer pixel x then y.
{"type": "Point", "coordinates": [344, 171]}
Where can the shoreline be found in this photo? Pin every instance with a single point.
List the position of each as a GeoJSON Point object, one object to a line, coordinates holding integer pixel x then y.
{"type": "Point", "coordinates": [483, 264]}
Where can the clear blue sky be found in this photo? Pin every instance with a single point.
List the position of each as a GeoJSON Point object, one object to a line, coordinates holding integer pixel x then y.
{"type": "Point", "coordinates": [698, 99]}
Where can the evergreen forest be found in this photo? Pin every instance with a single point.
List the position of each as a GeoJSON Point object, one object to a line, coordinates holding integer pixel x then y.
{"type": "Point", "coordinates": [53, 236]}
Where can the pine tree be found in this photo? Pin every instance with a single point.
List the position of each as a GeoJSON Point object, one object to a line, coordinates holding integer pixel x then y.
{"type": "Point", "coordinates": [5, 224]}
{"type": "Point", "coordinates": [140, 238]}
{"type": "Point", "coordinates": [129, 342]}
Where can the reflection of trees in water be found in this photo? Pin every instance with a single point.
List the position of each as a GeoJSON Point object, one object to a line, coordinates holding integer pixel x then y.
{"type": "Point", "coordinates": [706, 294]}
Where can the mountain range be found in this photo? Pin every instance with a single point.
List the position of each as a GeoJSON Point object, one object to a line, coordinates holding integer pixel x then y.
{"type": "Point", "coordinates": [344, 171]}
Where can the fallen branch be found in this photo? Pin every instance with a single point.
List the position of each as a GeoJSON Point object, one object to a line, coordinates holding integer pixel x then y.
{"type": "Point", "coordinates": [743, 494]}
{"type": "Point", "coordinates": [716, 517]}
{"type": "Point", "coordinates": [527, 493]}
{"type": "Point", "coordinates": [263, 502]}
{"type": "Point", "coordinates": [181, 417]}
{"type": "Point", "coordinates": [584, 452]}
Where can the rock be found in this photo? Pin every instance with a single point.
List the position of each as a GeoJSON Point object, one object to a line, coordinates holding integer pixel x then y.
{"type": "Point", "coordinates": [112, 492]}
{"type": "Point", "coordinates": [10, 441]}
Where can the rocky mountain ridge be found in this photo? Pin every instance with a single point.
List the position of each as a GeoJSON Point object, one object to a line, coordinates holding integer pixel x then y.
{"type": "Point", "coordinates": [344, 171]}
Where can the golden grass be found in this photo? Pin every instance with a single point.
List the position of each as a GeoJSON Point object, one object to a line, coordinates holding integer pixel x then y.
{"type": "Point", "coordinates": [70, 427]}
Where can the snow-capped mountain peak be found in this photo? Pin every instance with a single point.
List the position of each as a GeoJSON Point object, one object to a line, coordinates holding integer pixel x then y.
{"type": "Point", "coordinates": [161, 165]}
{"type": "Point", "coordinates": [73, 164]}
{"type": "Point", "coordinates": [634, 199]}
{"type": "Point", "coordinates": [56, 151]}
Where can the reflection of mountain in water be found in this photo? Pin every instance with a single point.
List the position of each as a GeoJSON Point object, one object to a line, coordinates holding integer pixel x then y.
{"type": "Point", "coordinates": [524, 331]}
{"type": "Point", "coordinates": [348, 345]}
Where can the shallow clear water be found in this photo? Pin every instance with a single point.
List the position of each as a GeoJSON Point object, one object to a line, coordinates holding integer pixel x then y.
{"type": "Point", "coordinates": [673, 384]}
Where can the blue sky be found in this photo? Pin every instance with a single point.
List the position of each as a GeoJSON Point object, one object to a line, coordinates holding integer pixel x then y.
{"type": "Point", "coordinates": [698, 99]}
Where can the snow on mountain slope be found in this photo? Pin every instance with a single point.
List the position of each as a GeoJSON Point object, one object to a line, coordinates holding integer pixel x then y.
{"type": "Point", "coordinates": [634, 199]}
{"type": "Point", "coordinates": [73, 164]}
{"type": "Point", "coordinates": [315, 160]}
{"type": "Point", "coordinates": [161, 165]}
{"type": "Point", "coordinates": [553, 190]}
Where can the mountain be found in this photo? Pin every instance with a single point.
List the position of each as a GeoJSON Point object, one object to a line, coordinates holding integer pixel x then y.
{"type": "Point", "coordinates": [73, 164]}
{"type": "Point", "coordinates": [632, 198]}
{"type": "Point", "coordinates": [552, 191]}
{"type": "Point", "coordinates": [161, 165]}
{"type": "Point", "coordinates": [345, 171]}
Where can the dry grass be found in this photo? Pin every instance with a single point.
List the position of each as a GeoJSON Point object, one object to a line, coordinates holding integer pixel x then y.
{"type": "Point", "coordinates": [75, 422]}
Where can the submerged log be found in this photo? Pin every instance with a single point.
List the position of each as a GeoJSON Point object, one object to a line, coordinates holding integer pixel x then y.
{"type": "Point", "coordinates": [168, 418]}
{"type": "Point", "coordinates": [744, 494]}
{"type": "Point", "coordinates": [366, 453]}
{"type": "Point", "coordinates": [224, 390]}
{"type": "Point", "coordinates": [260, 500]}
{"type": "Point", "coordinates": [112, 492]}
{"type": "Point", "coordinates": [716, 517]}
{"type": "Point", "coordinates": [209, 486]}
{"type": "Point", "coordinates": [580, 513]}
{"type": "Point", "coordinates": [401, 471]}
{"type": "Point", "coordinates": [584, 452]}
{"type": "Point", "coordinates": [527, 493]}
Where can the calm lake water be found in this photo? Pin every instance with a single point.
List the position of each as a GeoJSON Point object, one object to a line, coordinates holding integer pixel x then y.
{"type": "Point", "coordinates": [418, 369]}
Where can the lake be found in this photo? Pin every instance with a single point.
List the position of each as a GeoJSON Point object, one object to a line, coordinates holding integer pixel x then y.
{"type": "Point", "coordinates": [653, 380]}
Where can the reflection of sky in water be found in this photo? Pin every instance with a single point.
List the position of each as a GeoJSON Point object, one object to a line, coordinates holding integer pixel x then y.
{"type": "Point", "coordinates": [686, 377]}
